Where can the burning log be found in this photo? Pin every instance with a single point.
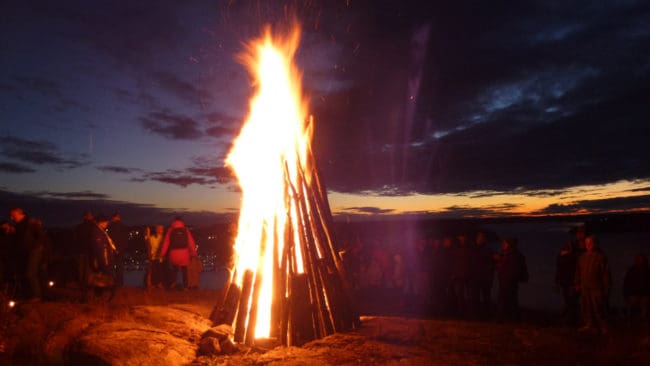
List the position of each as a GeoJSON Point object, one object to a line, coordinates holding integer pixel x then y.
{"type": "Point", "coordinates": [242, 311]}
{"type": "Point", "coordinates": [226, 311]}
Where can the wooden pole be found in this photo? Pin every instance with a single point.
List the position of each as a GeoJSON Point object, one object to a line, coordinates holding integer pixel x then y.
{"type": "Point", "coordinates": [302, 329]}
{"type": "Point", "coordinates": [278, 279]}
{"type": "Point", "coordinates": [323, 326]}
{"type": "Point", "coordinates": [339, 293]}
{"type": "Point", "coordinates": [252, 314]}
{"type": "Point", "coordinates": [225, 313]}
{"type": "Point", "coordinates": [257, 287]}
{"type": "Point", "coordinates": [242, 311]}
{"type": "Point", "coordinates": [287, 271]}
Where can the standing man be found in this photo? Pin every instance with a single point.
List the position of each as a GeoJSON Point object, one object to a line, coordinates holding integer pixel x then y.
{"type": "Point", "coordinates": [100, 271]}
{"type": "Point", "coordinates": [511, 270]}
{"type": "Point", "coordinates": [565, 272]}
{"type": "Point", "coordinates": [593, 281]}
{"type": "Point", "coordinates": [30, 241]}
{"type": "Point", "coordinates": [180, 245]}
{"type": "Point", "coordinates": [83, 244]}
{"type": "Point", "coordinates": [119, 234]}
{"type": "Point", "coordinates": [155, 274]}
{"type": "Point", "coordinates": [7, 257]}
{"type": "Point", "coordinates": [483, 277]}
{"type": "Point", "coordinates": [462, 262]}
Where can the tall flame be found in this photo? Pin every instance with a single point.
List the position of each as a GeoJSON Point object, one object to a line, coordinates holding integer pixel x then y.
{"type": "Point", "coordinates": [273, 142]}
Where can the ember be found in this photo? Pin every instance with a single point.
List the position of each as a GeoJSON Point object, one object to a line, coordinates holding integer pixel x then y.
{"type": "Point", "coordinates": [288, 282]}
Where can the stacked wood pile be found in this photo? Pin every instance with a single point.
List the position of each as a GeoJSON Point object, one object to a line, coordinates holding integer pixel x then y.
{"type": "Point", "coordinates": [309, 302]}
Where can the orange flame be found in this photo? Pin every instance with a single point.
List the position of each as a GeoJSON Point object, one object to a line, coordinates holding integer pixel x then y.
{"type": "Point", "coordinates": [272, 143]}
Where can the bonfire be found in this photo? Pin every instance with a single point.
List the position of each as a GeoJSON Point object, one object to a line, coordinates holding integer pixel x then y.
{"type": "Point", "coordinates": [288, 283]}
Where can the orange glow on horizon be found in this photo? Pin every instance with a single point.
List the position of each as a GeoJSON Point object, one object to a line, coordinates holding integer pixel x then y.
{"type": "Point", "coordinates": [518, 202]}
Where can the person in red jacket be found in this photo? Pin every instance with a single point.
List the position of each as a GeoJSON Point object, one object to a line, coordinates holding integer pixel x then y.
{"type": "Point", "coordinates": [179, 246]}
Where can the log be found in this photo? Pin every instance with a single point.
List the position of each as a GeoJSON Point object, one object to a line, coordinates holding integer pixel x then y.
{"type": "Point", "coordinates": [244, 300]}
{"type": "Point", "coordinates": [287, 270]}
{"type": "Point", "coordinates": [252, 314]}
{"type": "Point", "coordinates": [322, 326]}
{"type": "Point", "coordinates": [257, 287]}
{"type": "Point", "coordinates": [299, 309]}
{"type": "Point", "coordinates": [337, 289]}
{"type": "Point", "coordinates": [278, 288]}
{"type": "Point", "coordinates": [225, 313]}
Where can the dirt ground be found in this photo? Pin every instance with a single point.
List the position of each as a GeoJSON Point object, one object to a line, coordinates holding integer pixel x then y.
{"type": "Point", "coordinates": [41, 333]}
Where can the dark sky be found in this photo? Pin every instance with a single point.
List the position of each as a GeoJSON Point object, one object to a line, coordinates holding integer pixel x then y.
{"type": "Point", "coordinates": [452, 108]}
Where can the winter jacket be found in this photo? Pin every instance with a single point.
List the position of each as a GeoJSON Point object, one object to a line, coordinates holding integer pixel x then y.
{"type": "Point", "coordinates": [178, 257]}
{"type": "Point", "coordinates": [102, 249]}
{"type": "Point", "coordinates": [592, 272]}
{"type": "Point", "coordinates": [565, 268]}
{"type": "Point", "coordinates": [119, 234]}
{"type": "Point", "coordinates": [511, 269]}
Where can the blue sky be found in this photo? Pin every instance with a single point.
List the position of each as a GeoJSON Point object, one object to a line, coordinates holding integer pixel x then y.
{"type": "Point", "coordinates": [427, 108]}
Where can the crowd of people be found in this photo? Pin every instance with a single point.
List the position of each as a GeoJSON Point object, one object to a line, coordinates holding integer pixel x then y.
{"type": "Point", "coordinates": [456, 276]}
{"type": "Point", "coordinates": [585, 281]}
{"type": "Point", "coordinates": [461, 276]}
{"type": "Point", "coordinates": [99, 245]}
{"type": "Point", "coordinates": [448, 277]}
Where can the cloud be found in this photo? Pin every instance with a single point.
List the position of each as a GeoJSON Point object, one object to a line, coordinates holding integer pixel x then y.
{"type": "Point", "coordinates": [36, 152]}
{"type": "Point", "coordinates": [601, 205]}
{"type": "Point", "coordinates": [139, 98]}
{"type": "Point", "coordinates": [38, 84]}
{"type": "Point", "coordinates": [67, 104]}
{"type": "Point", "coordinates": [73, 195]}
{"type": "Point", "coordinates": [498, 108]}
{"type": "Point", "coordinates": [641, 189]}
{"type": "Point", "coordinates": [172, 126]}
{"type": "Point", "coordinates": [47, 89]}
{"type": "Point", "coordinates": [221, 131]}
{"type": "Point", "coordinates": [369, 210]}
{"type": "Point", "coordinates": [175, 177]}
{"type": "Point", "coordinates": [118, 169]}
{"type": "Point", "coordinates": [203, 171]}
{"type": "Point", "coordinates": [181, 89]}
{"type": "Point", "coordinates": [211, 168]}
{"type": "Point", "coordinates": [15, 168]}
{"type": "Point", "coordinates": [468, 212]}
{"type": "Point", "coordinates": [133, 35]}
{"type": "Point", "coordinates": [222, 126]}
{"type": "Point", "coordinates": [65, 209]}
{"type": "Point", "coordinates": [8, 88]}
{"type": "Point", "coordinates": [514, 191]}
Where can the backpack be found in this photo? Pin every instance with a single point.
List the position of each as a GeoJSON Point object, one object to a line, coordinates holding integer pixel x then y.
{"type": "Point", "coordinates": [178, 238]}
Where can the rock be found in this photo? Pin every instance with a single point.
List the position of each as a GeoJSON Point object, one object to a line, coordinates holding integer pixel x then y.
{"type": "Point", "coordinates": [129, 343]}
{"type": "Point", "coordinates": [403, 331]}
{"type": "Point", "coordinates": [209, 346]}
{"type": "Point", "coordinates": [221, 332]}
{"type": "Point", "coordinates": [56, 342]}
{"type": "Point", "coordinates": [178, 321]}
{"type": "Point", "coordinates": [228, 347]}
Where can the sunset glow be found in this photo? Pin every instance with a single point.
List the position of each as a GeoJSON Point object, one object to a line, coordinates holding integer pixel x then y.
{"type": "Point", "coordinates": [524, 202]}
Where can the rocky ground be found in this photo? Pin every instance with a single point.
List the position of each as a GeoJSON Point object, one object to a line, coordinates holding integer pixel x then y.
{"type": "Point", "coordinates": [162, 327]}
